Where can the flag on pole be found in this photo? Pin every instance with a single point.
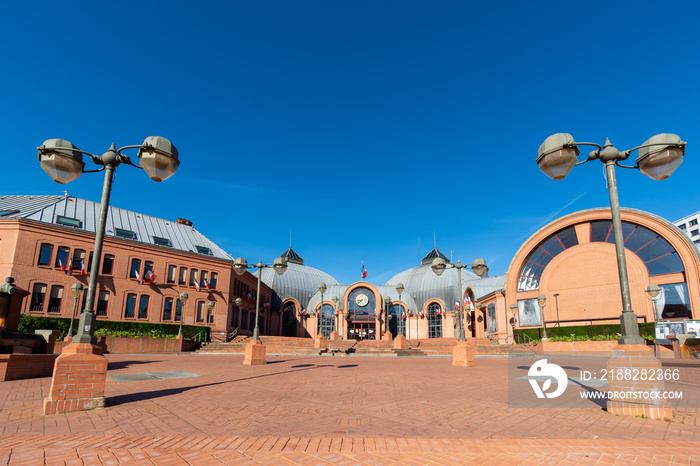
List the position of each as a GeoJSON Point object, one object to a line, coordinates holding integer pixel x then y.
{"type": "Point", "coordinates": [457, 305]}
{"type": "Point", "coordinates": [138, 277]}
{"type": "Point", "coordinates": [60, 264]}
{"type": "Point", "coordinates": [82, 267]}
{"type": "Point", "coordinates": [364, 271]}
{"type": "Point", "coordinates": [206, 283]}
{"type": "Point", "coordinates": [149, 276]}
{"type": "Point", "coordinates": [266, 305]}
{"type": "Point", "coordinates": [196, 283]}
{"type": "Point", "coordinates": [69, 269]}
{"type": "Point", "coordinates": [467, 303]}
{"type": "Point", "coordinates": [249, 297]}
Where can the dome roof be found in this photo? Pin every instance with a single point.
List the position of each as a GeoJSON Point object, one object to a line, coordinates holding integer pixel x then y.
{"type": "Point", "coordinates": [422, 284]}
{"type": "Point", "coordinates": [298, 281]}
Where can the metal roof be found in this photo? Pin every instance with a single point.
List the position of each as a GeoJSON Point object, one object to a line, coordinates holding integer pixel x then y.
{"type": "Point", "coordinates": [46, 209]}
{"type": "Point", "coordinates": [298, 281]}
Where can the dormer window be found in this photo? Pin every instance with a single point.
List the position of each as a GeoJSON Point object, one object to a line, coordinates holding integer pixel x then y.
{"type": "Point", "coordinates": [68, 221]}
{"type": "Point", "coordinates": [203, 250]}
{"type": "Point", "coordinates": [162, 241]}
{"type": "Point", "coordinates": [125, 233]}
{"type": "Point", "coordinates": [8, 212]}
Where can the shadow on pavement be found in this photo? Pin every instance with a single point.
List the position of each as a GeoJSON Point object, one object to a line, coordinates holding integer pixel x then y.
{"type": "Point", "coordinates": [132, 397]}
{"type": "Point", "coordinates": [124, 364]}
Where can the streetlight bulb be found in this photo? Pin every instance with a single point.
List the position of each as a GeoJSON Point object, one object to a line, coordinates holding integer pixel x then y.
{"type": "Point", "coordinates": [240, 265]}
{"type": "Point", "coordinates": [661, 156]}
{"type": "Point", "coordinates": [557, 155]}
{"type": "Point", "coordinates": [159, 158]}
{"type": "Point", "coordinates": [280, 265]}
{"type": "Point", "coordinates": [438, 266]}
{"type": "Point", "coordinates": [61, 163]}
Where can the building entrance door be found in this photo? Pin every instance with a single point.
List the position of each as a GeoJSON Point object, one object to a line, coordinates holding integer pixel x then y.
{"type": "Point", "coordinates": [362, 331]}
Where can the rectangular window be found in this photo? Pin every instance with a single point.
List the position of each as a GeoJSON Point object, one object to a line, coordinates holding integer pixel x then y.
{"type": "Point", "coordinates": [693, 223]}
{"type": "Point", "coordinates": [168, 309]}
{"type": "Point", "coordinates": [102, 301]}
{"type": "Point", "coordinates": [200, 311]}
{"type": "Point", "coordinates": [62, 257]}
{"type": "Point", "coordinates": [135, 268]}
{"type": "Point", "coordinates": [203, 250]}
{"type": "Point", "coordinates": [203, 278]}
{"type": "Point", "coordinates": [143, 307]}
{"type": "Point", "coordinates": [693, 232]}
{"type": "Point", "coordinates": [683, 227]}
{"type": "Point", "coordinates": [89, 262]}
{"type": "Point", "coordinates": [125, 233]}
{"type": "Point", "coordinates": [214, 277]}
{"type": "Point", "coordinates": [45, 254]}
{"type": "Point", "coordinates": [130, 306]}
{"type": "Point", "coordinates": [172, 271]}
{"type": "Point", "coordinates": [71, 222]}
{"type": "Point", "coordinates": [147, 266]}
{"type": "Point", "coordinates": [210, 315]}
{"type": "Point", "coordinates": [79, 259]}
{"type": "Point", "coordinates": [55, 299]}
{"type": "Point", "coordinates": [38, 295]}
{"type": "Point", "coordinates": [108, 264]}
{"type": "Point", "coordinates": [244, 318]}
{"type": "Point", "coordinates": [178, 310]}
{"type": "Point", "coordinates": [193, 277]}
{"type": "Point", "coordinates": [162, 241]}
{"type": "Point", "coordinates": [8, 212]}
{"type": "Point", "coordinates": [234, 316]}
{"type": "Point", "coordinates": [183, 276]}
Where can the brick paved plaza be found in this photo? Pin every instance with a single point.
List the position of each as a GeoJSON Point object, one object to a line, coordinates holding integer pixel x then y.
{"type": "Point", "coordinates": [325, 410]}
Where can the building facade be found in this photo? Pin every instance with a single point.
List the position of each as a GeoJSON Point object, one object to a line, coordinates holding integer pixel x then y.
{"type": "Point", "coordinates": [46, 245]}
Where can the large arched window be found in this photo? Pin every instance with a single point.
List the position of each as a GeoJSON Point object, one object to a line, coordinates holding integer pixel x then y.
{"type": "Point", "coordinates": [289, 319]}
{"type": "Point", "coordinates": [657, 254]}
{"type": "Point", "coordinates": [435, 321]}
{"type": "Point", "coordinates": [361, 304]}
{"type": "Point", "coordinates": [542, 255]}
{"type": "Point", "coordinates": [326, 321]}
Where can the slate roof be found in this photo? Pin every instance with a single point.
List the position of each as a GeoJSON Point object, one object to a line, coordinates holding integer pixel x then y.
{"type": "Point", "coordinates": [46, 209]}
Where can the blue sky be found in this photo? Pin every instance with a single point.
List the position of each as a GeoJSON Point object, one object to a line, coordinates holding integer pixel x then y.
{"type": "Point", "coordinates": [363, 127]}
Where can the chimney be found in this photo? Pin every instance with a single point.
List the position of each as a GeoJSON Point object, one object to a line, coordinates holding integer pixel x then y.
{"type": "Point", "coordinates": [184, 221]}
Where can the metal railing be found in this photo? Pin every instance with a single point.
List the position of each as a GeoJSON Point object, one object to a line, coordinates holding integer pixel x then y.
{"type": "Point", "coordinates": [232, 335]}
{"type": "Point", "coordinates": [522, 338]}
{"type": "Point", "coordinates": [201, 336]}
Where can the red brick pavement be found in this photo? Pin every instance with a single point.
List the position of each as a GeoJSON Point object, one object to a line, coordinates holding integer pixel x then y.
{"type": "Point", "coordinates": [326, 410]}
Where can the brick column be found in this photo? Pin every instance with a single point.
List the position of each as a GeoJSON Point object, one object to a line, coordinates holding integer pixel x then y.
{"type": "Point", "coordinates": [630, 400]}
{"type": "Point", "coordinates": [78, 381]}
{"type": "Point", "coordinates": [463, 354]}
{"type": "Point", "coordinates": [255, 353]}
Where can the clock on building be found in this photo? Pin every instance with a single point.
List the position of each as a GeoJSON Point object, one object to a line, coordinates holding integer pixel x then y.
{"type": "Point", "coordinates": [361, 300]}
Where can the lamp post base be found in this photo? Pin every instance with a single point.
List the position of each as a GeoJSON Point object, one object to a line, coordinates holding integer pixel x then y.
{"type": "Point", "coordinates": [254, 354]}
{"type": "Point", "coordinates": [630, 330]}
{"type": "Point", "coordinates": [400, 342]}
{"type": "Point", "coordinates": [463, 354]}
{"type": "Point", "coordinates": [78, 381]}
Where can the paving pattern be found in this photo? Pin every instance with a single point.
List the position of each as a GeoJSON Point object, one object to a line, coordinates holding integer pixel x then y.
{"type": "Point", "coordinates": [326, 410]}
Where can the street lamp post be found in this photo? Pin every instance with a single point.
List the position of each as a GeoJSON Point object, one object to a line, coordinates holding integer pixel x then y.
{"type": "Point", "coordinates": [183, 299]}
{"type": "Point", "coordinates": [478, 266]}
{"type": "Point", "coordinates": [658, 157]}
{"type": "Point", "coordinates": [335, 314]}
{"type": "Point", "coordinates": [542, 299]}
{"type": "Point", "coordinates": [63, 162]}
{"type": "Point", "coordinates": [240, 266]}
{"type": "Point", "coordinates": [77, 289]}
{"type": "Point", "coordinates": [556, 302]}
{"type": "Point", "coordinates": [404, 324]}
{"type": "Point", "coordinates": [387, 312]}
{"type": "Point", "coordinates": [322, 322]}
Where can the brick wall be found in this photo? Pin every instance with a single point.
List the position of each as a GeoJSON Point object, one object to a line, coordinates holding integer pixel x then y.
{"type": "Point", "coordinates": [26, 366]}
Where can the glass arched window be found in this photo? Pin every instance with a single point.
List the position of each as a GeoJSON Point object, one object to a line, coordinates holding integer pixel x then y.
{"type": "Point", "coordinates": [397, 323]}
{"type": "Point", "coordinates": [289, 319]}
{"type": "Point", "coordinates": [361, 304]}
{"type": "Point", "coordinates": [657, 254]}
{"type": "Point", "coordinates": [435, 321]}
{"type": "Point", "coordinates": [542, 255]}
{"type": "Point", "coordinates": [326, 321]}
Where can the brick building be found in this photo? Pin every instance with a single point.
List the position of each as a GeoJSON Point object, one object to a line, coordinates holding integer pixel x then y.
{"type": "Point", "coordinates": [46, 245]}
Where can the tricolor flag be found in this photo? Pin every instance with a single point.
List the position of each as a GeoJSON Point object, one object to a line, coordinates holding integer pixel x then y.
{"type": "Point", "coordinates": [138, 276]}
{"type": "Point", "coordinates": [69, 269]}
{"type": "Point", "coordinates": [60, 264]}
{"type": "Point", "coordinates": [364, 271]}
{"type": "Point", "coordinates": [467, 303]}
{"type": "Point", "coordinates": [149, 276]}
{"type": "Point", "coordinates": [456, 304]}
{"type": "Point", "coordinates": [266, 305]}
{"type": "Point", "coordinates": [249, 296]}
{"type": "Point", "coordinates": [196, 283]}
{"type": "Point", "coordinates": [206, 283]}
{"type": "Point", "coordinates": [82, 267]}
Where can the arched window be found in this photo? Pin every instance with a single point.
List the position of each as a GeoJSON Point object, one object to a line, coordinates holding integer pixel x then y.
{"type": "Point", "coordinates": [326, 321]}
{"type": "Point", "coordinates": [361, 304]}
{"type": "Point", "coordinates": [542, 255]}
{"type": "Point", "coordinates": [435, 321]}
{"type": "Point", "coordinates": [397, 323]}
{"type": "Point", "coordinates": [289, 319]}
{"type": "Point", "coordinates": [657, 254]}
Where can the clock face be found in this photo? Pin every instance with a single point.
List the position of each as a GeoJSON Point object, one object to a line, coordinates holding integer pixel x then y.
{"type": "Point", "coordinates": [361, 300]}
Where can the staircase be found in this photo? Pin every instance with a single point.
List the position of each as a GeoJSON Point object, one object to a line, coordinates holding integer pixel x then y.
{"type": "Point", "coordinates": [305, 346]}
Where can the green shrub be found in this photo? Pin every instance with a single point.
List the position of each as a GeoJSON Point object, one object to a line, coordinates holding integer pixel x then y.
{"type": "Point", "coordinates": [27, 324]}
{"type": "Point", "coordinates": [586, 332]}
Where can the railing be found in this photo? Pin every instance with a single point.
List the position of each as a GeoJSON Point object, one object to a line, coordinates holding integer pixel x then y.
{"type": "Point", "coordinates": [232, 335]}
{"type": "Point", "coordinates": [201, 336]}
{"type": "Point", "coordinates": [493, 338]}
{"type": "Point", "coordinates": [522, 338]}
